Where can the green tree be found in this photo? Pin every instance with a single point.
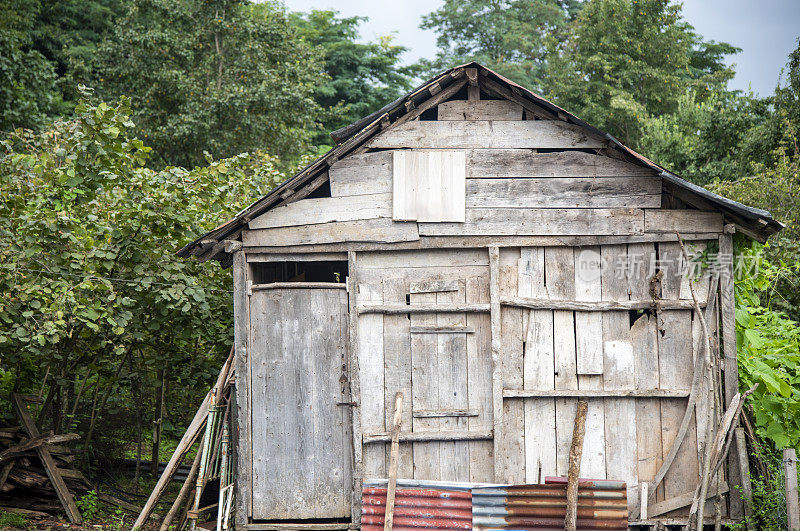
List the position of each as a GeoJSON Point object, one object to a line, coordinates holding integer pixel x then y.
{"type": "Point", "coordinates": [624, 61]}
{"type": "Point", "coordinates": [361, 78]}
{"type": "Point", "coordinates": [208, 76]}
{"type": "Point", "coordinates": [509, 36]}
{"type": "Point", "coordinates": [28, 95]}
{"type": "Point", "coordinates": [93, 294]}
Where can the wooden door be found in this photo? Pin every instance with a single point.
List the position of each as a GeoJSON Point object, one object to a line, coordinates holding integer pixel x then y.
{"type": "Point", "coordinates": [301, 430]}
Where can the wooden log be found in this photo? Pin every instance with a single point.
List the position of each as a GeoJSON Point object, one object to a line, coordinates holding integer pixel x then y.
{"type": "Point", "coordinates": [425, 436]}
{"type": "Point", "coordinates": [36, 442]}
{"type": "Point", "coordinates": [183, 495]}
{"type": "Point", "coordinates": [597, 306]}
{"type": "Point", "coordinates": [64, 495]}
{"type": "Point", "coordinates": [744, 468]}
{"type": "Point", "coordinates": [575, 452]}
{"type": "Point", "coordinates": [792, 503]}
{"type": "Point", "coordinates": [393, 462]}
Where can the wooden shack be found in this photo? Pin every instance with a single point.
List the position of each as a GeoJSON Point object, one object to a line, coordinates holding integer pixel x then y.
{"type": "Point", "coordinates": [494, 258]}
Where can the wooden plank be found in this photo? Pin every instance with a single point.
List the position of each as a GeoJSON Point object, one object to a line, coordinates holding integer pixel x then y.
{"type": "Point", "coordinates": [426, 259]}
{"type": "Point", "coordinates": [372, 230]}
{"type": "Point", "coordinates": [426, 436]}
{"type": "Point", "coordinates": [394, 309]}
{"type": "Point", "coordinates": [432, 413]}
{"type": "Point", "coordinates": [479, 379]}
{"type": "Point", "coordinates": [64, 495]}
{"type": "Point", "coordinates": [682, 221]}
{"type": "Point", "coordinates": [540, 222]}
{"type": "Point", "coordinates": [503, 163]}
{"type": "Point", "coordinates": [362, 174]}
{"type": "Point", "coordinates": [432, 286]}
{"type": "Point", "coordinates": [482, 242]}
{"type": "Point", "coordinates": [296, 257]}
{"type": "Point", "coordinates": [595, 393]}
{"type": "Point", "coordinates": [538, 371]}
{"type": "Point", "coordinates": [354, 385]}
{"type": "Point", "coordinates": [443, 329]}
{"type": "Point", "coordinates": [512, 463]}
{"type": "Point", "coordinates": [486, 134]}
{"type": "Point", "coordinates": [325, 210]}
{"type": "Point", "coordinates": [682, 500]}
{"type": "Point", "coordinates": [429, 186]}
{"type": "Point", "coordinates": [676, 370]}
{"type": "Point", "coordinates": [560, 280]}
{"type": "Point", "coordinates": [452, 359]}
{"type": "Point", "coordinates": [397, 361]}
{"type": "Point", "coordinates": [619, 375]}
{"type": "Point", "coordinates": [298, 285]}
{"type": "Point", "coordinates": [639, 268]}
{"type": "Point", "coordinates": [589, 358]}
{"type": "Point", "coordinates": [371, 377]}
{"type": "Point", "coordinates": [597, 306]}
{"type": "Point", "coordinates": [479, 110]}
{"type": "Point", "coordinates": [575, 466]}
{"type": "Point", "coordinates": [425, 389]}
{"type": "Point", "coordinates": [727, 312]}
{"type": "Point", "coordinates": [394, 463]}
{"type": "Point", "coordinates": [497, 375]}
{"type": "Point", "coordinates": [564, 192]}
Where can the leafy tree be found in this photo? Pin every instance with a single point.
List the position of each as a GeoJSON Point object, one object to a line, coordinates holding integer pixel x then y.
{"type": "Point", "coordinates": [509, 36]}
{"type": "Point", "coordinates": [206, 75]}
{"type": "Point", "coordinates": [95, 299]}
{"type": "Point", "coordinates": [624, 61]}
{"type": "Point", "coordinates": [361, 78]}
{"type": "Point", "coordinates": [27, 80]}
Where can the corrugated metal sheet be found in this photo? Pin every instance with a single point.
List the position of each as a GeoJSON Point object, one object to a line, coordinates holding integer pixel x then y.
{"type": "Point", "coordinates": [417, 508]}
{"type": "Point", "coordinates": [602, 504]}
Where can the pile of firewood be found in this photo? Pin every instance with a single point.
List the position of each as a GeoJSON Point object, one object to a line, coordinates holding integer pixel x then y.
{"type": "Point", "coordinates": [24, 482]}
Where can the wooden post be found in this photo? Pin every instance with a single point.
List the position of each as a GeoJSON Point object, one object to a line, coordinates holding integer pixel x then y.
{"type": "Point", "coordinates": [744, 468]}
{"type": "Point", "coordinates": [393, 462]}
{"type": "Point", "coordinates": [355, 386]}
{"type": "Point", "coordinates": [575, 453]}
{"type": "Point", "coordinates": [158, 416]}
{"type": "Point", "coordinates": [241, 323]}
{"type": "Point", "coordinates": [792, 503]}
{"type": "Point", "coordinates": [730, 365]}
{"type": "Point", "coordinates": [473, 90]}
{"type": "Point", "coordinates": [497, 379]}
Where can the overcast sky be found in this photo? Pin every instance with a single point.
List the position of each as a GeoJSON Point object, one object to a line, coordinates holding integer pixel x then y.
{"type": "Point", "coordinates": [766, 30]}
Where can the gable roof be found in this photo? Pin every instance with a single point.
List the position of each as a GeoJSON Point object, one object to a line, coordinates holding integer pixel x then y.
{"type": "Point", "coordinates": [756, 223]}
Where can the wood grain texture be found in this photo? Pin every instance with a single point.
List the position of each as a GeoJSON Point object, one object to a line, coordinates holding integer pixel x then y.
{"type": "Point", "coordinates": [362, 174]}
{"type": "Point", "coordinates": [486, 134]}
{"type": "Point", "coordinates": [372, 230]}
{"type": "Point", "coordinates": [683, 221]}
{"type": "Point", "coordinates": [371, 377]}
{"type": "Point", "coordinates": [425, 389]}
{"type": "Point", "coordinates": [540, 222]}
{"type": "Point", "coordinates": [565, 192]}
{"type": "Point", "coordinates": [538, 371]}
{"type": "Point", "coordinates": [241, 334]}
{"type": "Point", "coordinates": [299, 417]}
{"type": "Point", "coordinates": [504, 163]}
{"type": "Point", "coordinates": [479, 110]}
{"type": "Point", "coordinates": [325, 210]}
{"type": "Point", "coordinates": [428, 186]}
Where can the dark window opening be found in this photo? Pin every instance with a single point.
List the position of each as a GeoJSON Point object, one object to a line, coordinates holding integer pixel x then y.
{"type": "Point", "coordinates": [430, 115]}
{"type": "Point", "coordinates": [327, 271]}
{"type": "Point", "coordinates": [323, 191]}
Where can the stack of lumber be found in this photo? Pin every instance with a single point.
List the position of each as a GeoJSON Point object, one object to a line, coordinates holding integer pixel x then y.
{"type": "Point", "coordinates": [25, 485]}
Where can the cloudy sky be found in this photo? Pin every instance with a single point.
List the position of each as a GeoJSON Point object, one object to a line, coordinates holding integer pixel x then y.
{"type": "Point", "coordinates": [766, 30]}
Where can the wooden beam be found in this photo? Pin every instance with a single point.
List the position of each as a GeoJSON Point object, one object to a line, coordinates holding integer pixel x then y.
{"type": "Point", "coordinates": [425, 436]}
{"type": "Point", "coordinates": [298, 285]}
{"type": "Point", "coordinates": [497, 377]}
{"type": "Point", "coordinates": [680, 501]}
{"type": "Point", "coordinates": [394, 458]}
{"type": "Point", "coordinates": [575, 453]}
{"type": "Point", "coordinates": [241, 326]}
{"type": "Point", "coordinates": [64, 495]}
{"type": "Point", "coordinates": [594, 393]}
{"type": "Point", "coordinates": [596, 306]}
{"type": "Point", "coordinates": [355, 386]}
{"type": "Point", "coordinates": [398, 309]}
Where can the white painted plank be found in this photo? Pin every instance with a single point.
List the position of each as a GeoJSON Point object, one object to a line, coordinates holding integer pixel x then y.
{"type": "Point", "coordinates": [362, 174]}
{"type": "Point", "coordinates": [538, 371]}
{"type": "Point", "coordinates": [429, 186]}
{"type": "Point", "coordinates": [545, 134]}
{"type": "Point", "coordinates": [540, 222]}
{"type": "Point", "coordinates": [502, 163]}
{"type": "Point", "coordinates": [325, 210]}
{"type": "Point", "coordinates": [479, 110]}
{"type": "Point", "coordinates": [371, 230]}
{"type": "Point", "coordinates": [565, 192]}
